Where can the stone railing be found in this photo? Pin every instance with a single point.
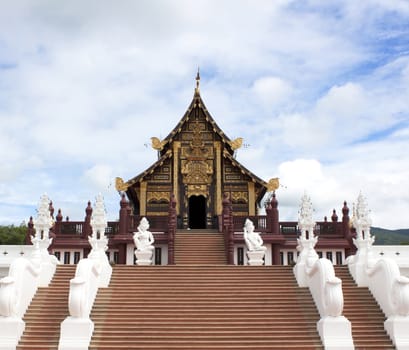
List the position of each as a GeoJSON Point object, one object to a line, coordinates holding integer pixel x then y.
{"type": "Point", "coordinates": [9, 253]}
{"type": "Point", "coordinates": [77, 329]}
{"type": "Point", "coordinates": [381, 276]}
{"type": "Point", "coordinates": [16, 293]}
{"type": "Point", "coordinates": [91, 273]}
{"type": "Point", "coordinates": [326, 289]}
{"type": "Point", "coordinates": [260, 222]}
{"type": "Point", "coordinates": [391, 291]}
{"type": "Point", "coordinates": [398, 253]}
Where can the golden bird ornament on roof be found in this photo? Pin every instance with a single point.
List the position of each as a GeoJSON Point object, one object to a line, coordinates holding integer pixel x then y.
{"type": "Point", "coordinates": [236, 143]}
{"type": "Point", "coordinates": [120, 185]}
{"type": "Point", "coordinates": [273, 184]}
{"type": "Point", "coordinates": [157, 143]}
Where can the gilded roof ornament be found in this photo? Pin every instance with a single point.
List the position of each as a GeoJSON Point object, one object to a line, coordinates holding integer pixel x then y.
{"type": "Point", "coordinates": [197, 90]}
{"type": "Point", "coordinates": [236, 143]}
{"type": "Point", "coordinates": [273, 184]}
{"type": "Point", "coordinates": [157, 143]}
{"type": "Point", "coordinates": [120, 185]}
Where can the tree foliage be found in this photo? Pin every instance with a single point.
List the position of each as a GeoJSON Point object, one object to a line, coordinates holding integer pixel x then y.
{"type": "Point", "coordinates": [390, 237]}
{"type": "Point", "coordinates": [13, 235]}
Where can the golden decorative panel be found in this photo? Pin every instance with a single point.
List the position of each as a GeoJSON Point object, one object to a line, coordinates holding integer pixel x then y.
{"type": "Point", "coordinates": [233, 177]}
{"type": "Point", "coordinates": [161, 177]}
{"type": "Point", "coordinates": [197, 127]}
{"type": "Point", "coordinates": [197, 190]}
{"type": "Point", "coordinates": [196, 172]}
{"type": "Point", "coordinates": [239, 196]}
{"type": "Point", "coordinates": [159, 188]}
{"type": "Point", "coordinates": [158, 196]}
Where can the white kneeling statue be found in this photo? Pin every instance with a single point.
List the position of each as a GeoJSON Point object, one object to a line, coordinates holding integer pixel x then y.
{"type": "Point", "coordinates": [143, 240]}
{"type": "Point", "coordinates": [255, 248]}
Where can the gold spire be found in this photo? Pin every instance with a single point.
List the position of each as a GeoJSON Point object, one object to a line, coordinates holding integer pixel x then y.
{"type": "Point", "coordinates": [197, 81]}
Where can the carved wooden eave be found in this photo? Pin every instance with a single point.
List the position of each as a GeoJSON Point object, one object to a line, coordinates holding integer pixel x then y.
{"type": "Point", "coordinates": [197, 102]}
{"type": "Point", "coordinates": [135, 181]}
{"type": "Point", "coordinates": [261, 183]}
{"type": "Point", "coordinates": [151, 169]}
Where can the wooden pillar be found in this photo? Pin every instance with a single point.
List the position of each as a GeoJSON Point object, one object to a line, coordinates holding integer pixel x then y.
{"type": "Point", "coordinates": [252, 199]}
{"type": "Point", "coordinates": [276, 260]}
{"type": "Point", "coordinates": [143, 198]}
{"type": "Point", "coordinates": [176, 150]}
{"type": "Point", "coordinates": [171, 229]}
{"type": "Point", "coordinates": [218, 178]}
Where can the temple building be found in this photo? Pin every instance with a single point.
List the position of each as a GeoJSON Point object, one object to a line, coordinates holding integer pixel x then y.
{"type": "Point", "coordinates": [197, 164]}
{"type": "Point", "coordinates": [197, 185]}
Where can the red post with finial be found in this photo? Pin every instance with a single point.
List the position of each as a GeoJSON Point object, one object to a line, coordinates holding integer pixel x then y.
{"type": "Point", "coordinates": [58, 221]}
{"type": "Point", "coordinates": [30, 230]}
{"type": "Point", "coordinates": [273, 219]}
{"type": "Point", "coordinates": [226, 222]}
{"type": "Point", "coordinates": [87, 229]}
{"type": "Point", "coordinates": [51, 209]}
{"type": "Point", "coordinates": [123, 216]}
{"type": "Point", "coordinates": [228, 228]}
{"type": "Point", "coordinates": [346, 230]}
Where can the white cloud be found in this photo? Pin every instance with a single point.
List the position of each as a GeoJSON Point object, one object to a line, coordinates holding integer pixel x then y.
{"type": "Point", "coordinates": [99, 177]}
{"type": "Point", "coordinates": [272, 90]}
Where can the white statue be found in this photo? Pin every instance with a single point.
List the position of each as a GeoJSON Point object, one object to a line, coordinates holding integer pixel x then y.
{"type": "Point", "coordinates": [255, 249]}
{"type": "Point", "coordinates": [253, 240]}
{"type": "Point", "coordinates": [143, 238]}
{"type": "Point", "coordinates": [144, 243]}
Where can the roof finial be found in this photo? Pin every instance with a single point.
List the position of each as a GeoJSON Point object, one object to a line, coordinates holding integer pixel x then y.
{"type": "Point", "coordinates": [197, 80]}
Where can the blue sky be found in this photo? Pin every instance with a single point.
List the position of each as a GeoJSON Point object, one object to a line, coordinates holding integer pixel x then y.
{"type": "Point", "coordinates": [318, 89]}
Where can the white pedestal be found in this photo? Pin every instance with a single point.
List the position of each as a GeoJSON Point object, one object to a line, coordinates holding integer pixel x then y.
{"type": "Point", "coordinates": [11, 329]}
{"type": "Point", "coordinates": [76, 333]}
{"type": "Point", "coordinates": [300, 274]}
{"type": "Point", "coordinates": [335, 333]}
{"type": "Point", "coordinates": [256, 257]}
{"type": "Point", "coordinates": [143, 257]}
{"type": "Point", "coordinates": [397, 328]}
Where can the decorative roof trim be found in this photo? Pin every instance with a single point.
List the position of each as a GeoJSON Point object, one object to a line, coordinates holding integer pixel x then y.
{"type": "Point", "coordinates": [244, 170]}
{"type": "Point", "coordinates": [150, 170]}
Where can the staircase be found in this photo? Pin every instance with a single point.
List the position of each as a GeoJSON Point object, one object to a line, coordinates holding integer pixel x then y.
{"type": "Point", "coordinates": [47, 310]}
{"type": "Point", "coordinates": [365, 315]}
{"type": "Point", "coordinates": [197, 247]}
{"type": "Point", "coordinates": [204, 307]}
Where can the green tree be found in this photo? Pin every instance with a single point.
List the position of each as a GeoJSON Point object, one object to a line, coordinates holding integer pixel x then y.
{"type": "Point", "coordinates": [12, 235]}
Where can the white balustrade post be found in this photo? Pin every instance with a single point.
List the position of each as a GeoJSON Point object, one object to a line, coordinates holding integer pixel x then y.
{"type": "Point", "coordinates": [306, 242]}
{"type": "Point", "coordinates": [41, 241]}
{"type": "Point", "coordinates": [99, 242]}
{"type": "Point", "coordinates": [326, 289]}
{"type": "Point", "coordinates": [363, 259]}
{"type": "Point", "coordinates": [91, 273]}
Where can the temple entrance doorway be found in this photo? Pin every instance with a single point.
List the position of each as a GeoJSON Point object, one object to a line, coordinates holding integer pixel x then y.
{"type": "Point", "coordinates": [197, 212]}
